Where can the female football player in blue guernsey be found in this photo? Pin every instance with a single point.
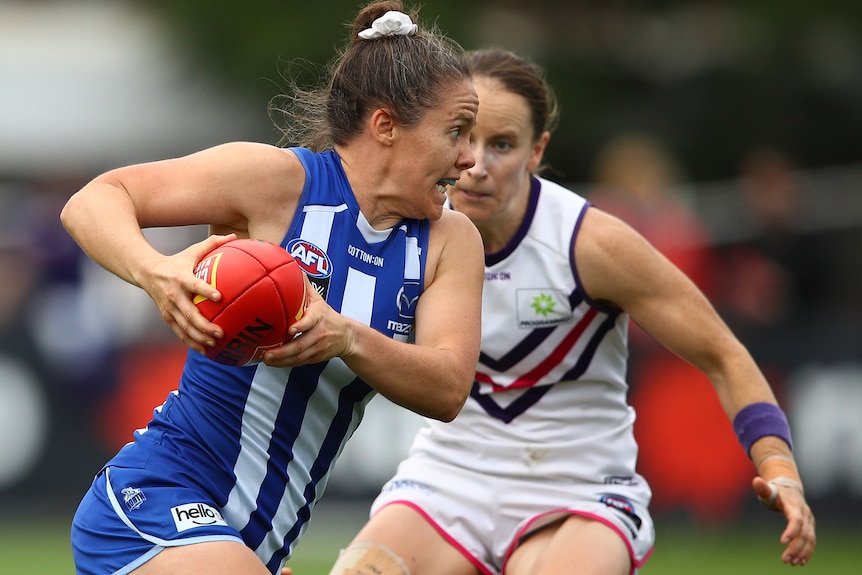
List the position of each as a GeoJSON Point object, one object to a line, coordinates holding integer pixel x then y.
{"type": "Point", "coordinates": [225, 476]}
{"type": "Point", "coordinates": [537, 474]}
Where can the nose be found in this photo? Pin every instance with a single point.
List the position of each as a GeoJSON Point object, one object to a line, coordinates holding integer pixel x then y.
{"type": "Point", "coordinates": [479, 168]}
{"type": "Point", "coordinates": [466, 159]}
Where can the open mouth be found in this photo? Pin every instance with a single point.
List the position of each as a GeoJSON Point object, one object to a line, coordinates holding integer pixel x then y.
{"type": "Point", "coordinates": [445, 183]}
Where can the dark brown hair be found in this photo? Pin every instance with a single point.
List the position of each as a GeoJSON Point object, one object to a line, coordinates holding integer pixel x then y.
{"type": "Point", "coordinates": [406, 75]}
{"type": "Point", "coordinates": [521, 77]}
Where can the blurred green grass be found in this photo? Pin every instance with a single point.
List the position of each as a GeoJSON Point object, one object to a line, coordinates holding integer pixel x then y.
{"type": "Point", "coordinates": [41, 547]}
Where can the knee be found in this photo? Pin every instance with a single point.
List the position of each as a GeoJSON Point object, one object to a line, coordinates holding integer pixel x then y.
{"type": "Point", "coordinates": [368, 558]}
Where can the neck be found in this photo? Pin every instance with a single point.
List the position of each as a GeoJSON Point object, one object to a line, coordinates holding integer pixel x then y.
{"type": "Point", "coordinates": [368, 182]}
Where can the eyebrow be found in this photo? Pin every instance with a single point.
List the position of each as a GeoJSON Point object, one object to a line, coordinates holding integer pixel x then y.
{"type": "Point", "coordinates": [507, 132]}
{"type": "Point", "coordinates": [466, 119]}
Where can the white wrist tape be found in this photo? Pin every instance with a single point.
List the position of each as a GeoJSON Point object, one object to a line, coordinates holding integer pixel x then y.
{"type": "Point", "coordinates": [786, 482]}
{"type": "Point", "coordinates": [775, 484]}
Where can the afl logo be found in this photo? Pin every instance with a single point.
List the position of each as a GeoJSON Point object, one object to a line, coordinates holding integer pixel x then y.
{"type": "Point", "coordinates": [311, 258]}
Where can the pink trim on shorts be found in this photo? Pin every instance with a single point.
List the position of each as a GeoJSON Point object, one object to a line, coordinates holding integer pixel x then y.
{"type": "Point", "coordinates": [635, 563]}
{"type": "Point", "coordinates": [481, 567]}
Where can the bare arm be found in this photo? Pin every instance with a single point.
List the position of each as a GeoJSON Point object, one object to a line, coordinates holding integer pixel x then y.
{"type": "Point", "coordinates": [247, 189]}
{"type": "Point", "coordinates": [618, 266]}
{"type": "Point", "coordinates": [432, 377]}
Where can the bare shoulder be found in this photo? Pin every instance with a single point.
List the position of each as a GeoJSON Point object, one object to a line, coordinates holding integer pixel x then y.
{"type": "Point", "coordinates": [258, 185]}
{"type": "Point", "coordinates": [455, 222]}
{"type": "Point", "coordinates": [602, 235]}
{"type": "Point", "coordinates": [613, 259]}
{"type": "Point", "coordinates": [454, 242]}
{"type": "Point", "coordinates": [605, 236]}
{"type": "Point", "coordinates": [255, 155]}
{"type": "Point", "coordinates": [454, 229]}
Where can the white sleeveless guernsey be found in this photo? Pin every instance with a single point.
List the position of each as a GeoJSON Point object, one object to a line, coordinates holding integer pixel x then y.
{"type": "Point", "coordinates": [547, 427]}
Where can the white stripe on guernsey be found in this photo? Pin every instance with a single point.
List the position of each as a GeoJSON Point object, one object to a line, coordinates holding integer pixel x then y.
{"type": "Point", "coordinates": [369, 234]}
{"type": "Point", "coordinates": [322, 405]}
{"type": "Point", "coordinates": [317, 225]}
{"type": "Point", "coordinates": [411, 258]}
{"type": "Point", "coordinates": [262, 406]}
{"type": "Point", "coordinates": [358, 301]}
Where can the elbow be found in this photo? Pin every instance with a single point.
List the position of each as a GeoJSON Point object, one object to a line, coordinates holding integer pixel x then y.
{"type": "Point", "coordinates": [68, 214]}
{"type": "Point", "coordinates": [450, 406]}
{"type": "Point", "coordinates": [65, 217]}
{"type": "Point", "coordinates": [450, 414]}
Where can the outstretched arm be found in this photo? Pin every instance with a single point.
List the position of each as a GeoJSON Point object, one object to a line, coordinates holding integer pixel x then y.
{"type": "Point", "coordinates": [620, 267]}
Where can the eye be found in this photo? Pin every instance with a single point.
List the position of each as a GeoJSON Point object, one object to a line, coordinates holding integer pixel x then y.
{"type": "Point", "coordinates": [462, 130]}
{"type": "Point", "coordinates": [502, 146]}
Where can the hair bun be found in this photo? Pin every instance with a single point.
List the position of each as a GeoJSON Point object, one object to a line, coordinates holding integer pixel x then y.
{"type": "Point", "coordinates": [374, 10]}
{"type": "Point", "coordinates": [393, 23]}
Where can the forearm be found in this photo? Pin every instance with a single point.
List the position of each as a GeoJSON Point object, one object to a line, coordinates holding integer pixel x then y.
{"type": "Point", "coordinates": [432, 382]}
{"type": "Point", "coordinates": [773, 458]}
{"type": "Point", "coordinates": [759, 423]}
{"type": "Point", "coordinates": [738, 380]}
{"type": "Point", "coordinates": [763, 432]}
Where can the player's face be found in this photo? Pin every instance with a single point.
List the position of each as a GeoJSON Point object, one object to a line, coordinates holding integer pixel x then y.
{"type": "Point", "coordinates": [437, 150]}
{"type": "Point", "coordinates": [494, 192]}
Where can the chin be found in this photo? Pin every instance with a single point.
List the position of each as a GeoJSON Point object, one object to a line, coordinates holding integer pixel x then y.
{"type": "Point", "coordinates": [436, 213]}
{"type": "Point", "coordinates": [475, 213]}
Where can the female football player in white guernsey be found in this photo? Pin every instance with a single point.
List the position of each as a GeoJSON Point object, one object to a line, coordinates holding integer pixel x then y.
{"type": "Point", "coordinates": [537, 474]}
{"type": "Point", "coordinates": [225, 476]}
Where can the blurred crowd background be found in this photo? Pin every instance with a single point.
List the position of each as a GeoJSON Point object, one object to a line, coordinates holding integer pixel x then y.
{"type": "Point", "coordinates": [729, 133]}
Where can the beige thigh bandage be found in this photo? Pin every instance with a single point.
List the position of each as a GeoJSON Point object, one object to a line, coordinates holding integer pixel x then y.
{"type": "Point", "coordinates": [368, 558]}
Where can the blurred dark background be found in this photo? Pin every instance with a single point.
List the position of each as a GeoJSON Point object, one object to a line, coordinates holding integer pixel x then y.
{"type": "Point", "coordinates": [729, 133]}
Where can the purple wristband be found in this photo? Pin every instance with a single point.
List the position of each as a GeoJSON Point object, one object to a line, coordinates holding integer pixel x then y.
{"type": "Point", "coordinates": [758, 420]}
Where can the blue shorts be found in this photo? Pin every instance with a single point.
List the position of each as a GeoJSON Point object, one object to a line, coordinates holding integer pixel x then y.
{"type": "Point", "coordinates": [128, 516]}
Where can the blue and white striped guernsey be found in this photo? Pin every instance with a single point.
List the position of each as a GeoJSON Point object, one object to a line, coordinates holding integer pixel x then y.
{"type": "Point", "coordinates": [262, 441]}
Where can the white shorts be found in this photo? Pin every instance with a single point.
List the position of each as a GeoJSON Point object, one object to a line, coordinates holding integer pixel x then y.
{"type": "Point", "coordinates": [485, 516]}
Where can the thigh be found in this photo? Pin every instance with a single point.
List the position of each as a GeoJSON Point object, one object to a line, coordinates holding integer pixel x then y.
{"type": "Point", "coordinates": [130, 517]}
{"type": "Point", "coordinates": [405, 532]}
{"type": "Point", "coordinates": [575, 545]}
{"type": "Point", "coordinates": [209, 558]}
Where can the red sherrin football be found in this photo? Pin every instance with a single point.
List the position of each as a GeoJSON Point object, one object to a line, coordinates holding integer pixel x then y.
{"type": "Point", "coordinates": [262, 295]}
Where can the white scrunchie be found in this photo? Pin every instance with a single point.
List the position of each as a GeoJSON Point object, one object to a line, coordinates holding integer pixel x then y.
{"type": "Point", "coordinates": [393, 23]}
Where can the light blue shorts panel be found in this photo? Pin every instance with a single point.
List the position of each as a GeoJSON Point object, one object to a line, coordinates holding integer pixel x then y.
{"type": "Point", "coordinates": [129, 515]}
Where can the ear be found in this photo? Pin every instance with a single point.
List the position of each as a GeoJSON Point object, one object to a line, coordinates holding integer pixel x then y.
{"type": "Point", "coordinates": [538, 151]}
{"type": "Point", "coordinates": [383, 126]}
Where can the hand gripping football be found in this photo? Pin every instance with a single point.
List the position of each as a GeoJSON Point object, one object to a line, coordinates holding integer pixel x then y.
{"type": "Point", "coordinates": [263, 294]}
